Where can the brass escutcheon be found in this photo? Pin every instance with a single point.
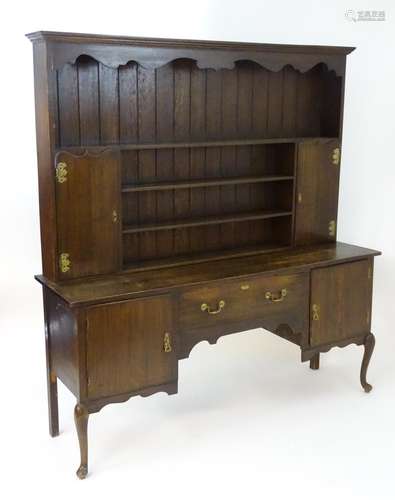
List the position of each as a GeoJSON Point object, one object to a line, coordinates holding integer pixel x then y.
{"type": "Point", "coordinates": [167, 343]}
{"type": "Point", "coordinates": [316, 312]}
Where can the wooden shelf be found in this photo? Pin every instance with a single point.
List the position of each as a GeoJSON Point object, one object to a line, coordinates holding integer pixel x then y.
{"type": "Point", "coordinates": [145, 265]}
{"type": "Point", "coordinates": [204, 144]}
{"type": "Point", "coordinates": [198, 183]}
{"type": "Point", "coordinates": [205, 221]}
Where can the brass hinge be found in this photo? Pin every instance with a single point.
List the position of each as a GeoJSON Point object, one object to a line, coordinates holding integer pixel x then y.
{"type": "Point", "coordinates": [336, 156]}
{"type": "Point", "coordinates": [369, 272]}
{"type": "Point", "coordinates": [299, 197]}
{"type": "Point", "coordinates": [167, 343]}
{"type": "Point", "coordinates": [114, 216]}
{"type": "Point", "coordinates": [64, 262]}
{"type": "Point", "coordinates": [316, 312]}
{"type": "Point", "coordinates": [332, 228]}
{"type": "Point", "coordinates": [61, 172]}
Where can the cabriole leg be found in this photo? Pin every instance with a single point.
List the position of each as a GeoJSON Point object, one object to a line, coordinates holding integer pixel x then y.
{"type": "Point", "coordinates": [81, 416]}
{"type": "Point", "coordinates": [369, 346]}
{"type": "Point", "coordinates": [315, 361]}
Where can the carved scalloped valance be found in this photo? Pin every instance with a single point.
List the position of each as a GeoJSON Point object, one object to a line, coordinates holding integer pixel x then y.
{"type": "Point", "coordinates": [151, 58]}
{"type": "Point", "coordinates": [65, 48]}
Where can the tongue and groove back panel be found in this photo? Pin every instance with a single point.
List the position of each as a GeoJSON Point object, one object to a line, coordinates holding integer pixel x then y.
{"type": "Point", "coordinates": [98, 105]}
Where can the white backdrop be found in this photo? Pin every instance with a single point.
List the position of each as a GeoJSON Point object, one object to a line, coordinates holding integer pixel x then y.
{"type": "Point", "coordinates": [249, 420]}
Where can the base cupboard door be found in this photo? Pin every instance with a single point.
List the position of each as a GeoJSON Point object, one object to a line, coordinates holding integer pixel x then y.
{"type": "Point", "coordinates": [130, 346]}
{"type": "Point", "coordinates": [340, 302]}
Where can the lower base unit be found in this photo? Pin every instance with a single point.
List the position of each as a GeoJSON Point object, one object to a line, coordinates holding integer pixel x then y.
{"type": "Point", "coordinates": [111, 338]}
{"type": "Point", "coordinates": [83, 409]}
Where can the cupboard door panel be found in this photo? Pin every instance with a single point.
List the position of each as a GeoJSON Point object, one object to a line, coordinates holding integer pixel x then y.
{"type": "Point", "coordinates": [126, 346]}
{"type": "Point", "coordinates": [340, 302]}
{"type": "Point", "coordinates": [88, 214]}
{"type": "Point", "coordinates": [317, 192]}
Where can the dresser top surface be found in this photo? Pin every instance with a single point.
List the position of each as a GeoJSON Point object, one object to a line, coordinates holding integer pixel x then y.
{"type": "Point", "coordinates": [88, 38]}
{"type": "Point", "coordinates": [130, 284]}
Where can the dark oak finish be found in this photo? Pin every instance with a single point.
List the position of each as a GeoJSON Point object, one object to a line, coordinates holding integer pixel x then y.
{"type": "Point", "coordinates": [315, 362]}
{"type": "Point", "coordinates": [188, 190]}
{"type": "Point", "coordinates": [369, 344]}
{"type": "Point", "coordinates": [52, 381]}
{"type": "Point", "coordinates": [88, 216]}
{"type": "Point", "coordinates": [125, 346]}
{"type": "Point", "coordinates": [46, 109]}
{"type": "Point", "coordinates": [81, 416]}
{"type": "Point", "coordinates": [205, 221]}
{"type": "Point", "coordinates": [317, 192]}
{"type": "Point", "coordinates": [247, 299]}
{"type": "Point", "coordinates": [62, 327]}
{"type": "Point", "coordinates": [340, 302]}
{"type": "Point", "coordinates": [159, 186]}
{"type": "Point", "coordinates": [130, 284]}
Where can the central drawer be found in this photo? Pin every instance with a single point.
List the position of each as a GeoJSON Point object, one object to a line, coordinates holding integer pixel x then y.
{"type": "Point", "coordinates": [274, 299]}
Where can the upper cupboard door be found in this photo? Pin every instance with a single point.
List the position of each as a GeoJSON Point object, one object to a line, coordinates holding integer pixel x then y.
{"type": "Point", "coordinates": [317, 191]}
{"type": "Point", "coordinates": [88, 213]}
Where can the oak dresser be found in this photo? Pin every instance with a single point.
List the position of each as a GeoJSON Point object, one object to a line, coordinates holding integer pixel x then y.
{"type": "Point", "coordinates": [188, 190]}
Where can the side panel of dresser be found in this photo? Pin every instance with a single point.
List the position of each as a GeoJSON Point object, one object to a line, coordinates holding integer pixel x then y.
{"type": "Point", "coordinates": [341, 298]}
{"type": "Point", "coordinates": [113, 351]}
{"type": "Point", "coordinates": [64, 346]}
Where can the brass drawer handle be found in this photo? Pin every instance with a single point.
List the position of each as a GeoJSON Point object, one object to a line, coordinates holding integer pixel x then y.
{"type": "Point", "coordinates": [279, 298]}
{"type": "Point", "coordinates": [206, 307]}
{"type": "Point", "coordinates": [167, 343]}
